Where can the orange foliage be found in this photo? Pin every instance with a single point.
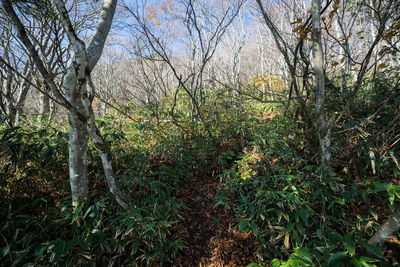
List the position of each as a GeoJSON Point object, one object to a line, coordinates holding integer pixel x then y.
{"type": "Point", "coordinates": [161, 13]}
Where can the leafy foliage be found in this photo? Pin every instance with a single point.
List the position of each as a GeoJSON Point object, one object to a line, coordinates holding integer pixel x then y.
{"type": "Point", "coordinates": [296, 213]}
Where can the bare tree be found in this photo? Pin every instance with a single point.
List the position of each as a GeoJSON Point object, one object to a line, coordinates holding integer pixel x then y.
{"type": "Point", "coordinates": [323, 124]}
{"type": "Point", "coordinates": [203, 26]}
{"type": "Point", "coordinates": [79, 93]}
{"type": "Point", "coordinates": [136, 81]}
{"type": "Point", "coordinates": [14, 88]}
{"type": "Point", "coordinates": [297, 59]}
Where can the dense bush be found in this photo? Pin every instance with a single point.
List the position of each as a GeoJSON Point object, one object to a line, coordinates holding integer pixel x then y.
{"type": "Point", "coordinates": [267, 163]}
{"type": "Point", "coordinates": [296, 213]}
{"type": "Point", "coordinates": [153, 161]}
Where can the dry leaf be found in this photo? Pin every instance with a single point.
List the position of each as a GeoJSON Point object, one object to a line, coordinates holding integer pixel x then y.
{"type": "Point", "coordinates": [286, 242]}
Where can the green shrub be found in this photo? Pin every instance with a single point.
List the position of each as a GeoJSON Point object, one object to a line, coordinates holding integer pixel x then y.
{"type": "Point", "coordinates": [299, 217]}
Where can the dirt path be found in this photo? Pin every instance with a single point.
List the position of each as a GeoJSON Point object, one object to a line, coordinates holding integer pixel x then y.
{"type": "Point", "coordinates": [208, 231]}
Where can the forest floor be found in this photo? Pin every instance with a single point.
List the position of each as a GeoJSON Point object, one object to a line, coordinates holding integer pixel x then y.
{"type": "Point", "coordinates": [210, 234]}
{"type": "Point", "coordinates": [209, 231]}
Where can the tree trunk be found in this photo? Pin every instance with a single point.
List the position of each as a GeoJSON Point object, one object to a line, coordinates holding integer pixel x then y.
{"type": "Point", "coordinates": [45, 104]}
{"type": "Point", "coordinates": [106, 160]}
{"type": "Point", "coordinates": [21, 99]}
{"type": "Point", "coordinates": [386, 230]}
{"type": "Point", "coordinates": [12, 114]}
{"type": "Point", "coordinates": [323, 125]}
{"type": "Point", "coordinates": [75, 87]}
{"type": "Point", "coordinates": [78, 140]}
{"type": "Point", "coordinates": [324, 138]}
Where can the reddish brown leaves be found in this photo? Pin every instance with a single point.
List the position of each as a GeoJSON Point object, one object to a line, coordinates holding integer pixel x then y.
{"type": "Point", "coordinates": [208, 231]}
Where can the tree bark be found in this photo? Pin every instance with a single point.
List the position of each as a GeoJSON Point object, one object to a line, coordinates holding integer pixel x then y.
{"type": "Point", "coordinates": [86, 60]}
{"type": "Point", "coordinates": [75, 89]}
{"type": "Point", "coordinates": [44, 104]}
{"type": "Point", "coordinates": [323, 125]}
{"type": "Point", "coordinates": [78, 142]}
{"type": "Point", "coordinates": [23, 92]}
{"type": "Point", "coordinates": [386, 230]}
{"type": "Point", "coordinates": [104, 151]}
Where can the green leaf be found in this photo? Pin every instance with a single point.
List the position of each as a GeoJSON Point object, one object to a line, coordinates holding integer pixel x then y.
{"type": "Point", "coordinates": [375, 250]}
{"type": "Point", "coordinates": [290, 228]}
{"type": "Point", "coordinates": [337, 257]}
{"type": "Point", "coordinates": [77, 213]}
{"type": "Point", "coordinates": [391, 195]}
{"type": "Point", "coordinates": [303, 259]}
{"type": "Point", "coordinates": [297, 238]}
{"type": "Point", "coordinates": [340, 201]}
{"type": "Point", "coordinates": [355, 262]}
{"type": "Point", "coordinates": [254, 228]}
{"type": "Point", "coordinates": [320, 233]}
{"type": "Point", "coordinates": [367, 260]}
{"type": "Point", "coordinates": [363, 262]}
{"type": "Point", "coordinates": [135, 246]}
{"type": "Point", "coordinates": [350, 245]}
{"type": "Point", "coordinates": [300, 228]}
{"type": "Point", "coordinates": [304, 215]}
{"type": "Point", "coordinates": [275, 263]}
{"type": "Point", "coordinates": [58, 251]}
{"type": "Point", "coordinates": [380, 187]}
{"type": "Point", "coordinates": [87, 212]}
{"type": "Point", "coordinates": [243, 224]}
{"type": "Point", "coordinates": [5, 250]}
{"type": "Point", "coordinates": [150, 227]}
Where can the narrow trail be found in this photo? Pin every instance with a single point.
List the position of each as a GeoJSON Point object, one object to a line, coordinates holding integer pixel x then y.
{"type": "Point", "coordinates": [208, 231]}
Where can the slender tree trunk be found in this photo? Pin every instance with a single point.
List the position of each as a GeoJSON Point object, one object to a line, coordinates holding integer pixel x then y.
{"type": "Point", "coordinates": [21, 100]}
{"type": "Point", "coordinates": [12, 113]}
{"type": "Point", "coordinates": [323, 125]}
{"type": "Point", "coordinates": [44, 99]}
{"type": "Point", "coordinates": [261, 57]}
{"type": "Point", "coordinates": [386, 230]}
{"type": "Point", "coordinates": [105, 154]}
{"type": "Point", "coordinates": [45, 104]}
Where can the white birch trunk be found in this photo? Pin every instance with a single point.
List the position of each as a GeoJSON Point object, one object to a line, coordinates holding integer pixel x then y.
{"type": "Point", "coordinates": [103, 149]}
{"type": "Point", "coordinates": [323, 125]}
{"type": "Point", "coordinates": [78, 142]}
{"type": "Point", "coordinates": [386, 230]}
{"type": "Point", "coordinates": [75, 85]}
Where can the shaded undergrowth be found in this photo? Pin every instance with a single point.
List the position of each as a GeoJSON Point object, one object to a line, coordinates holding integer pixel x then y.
{"type": "Point", "coordinates": [251, 193]}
